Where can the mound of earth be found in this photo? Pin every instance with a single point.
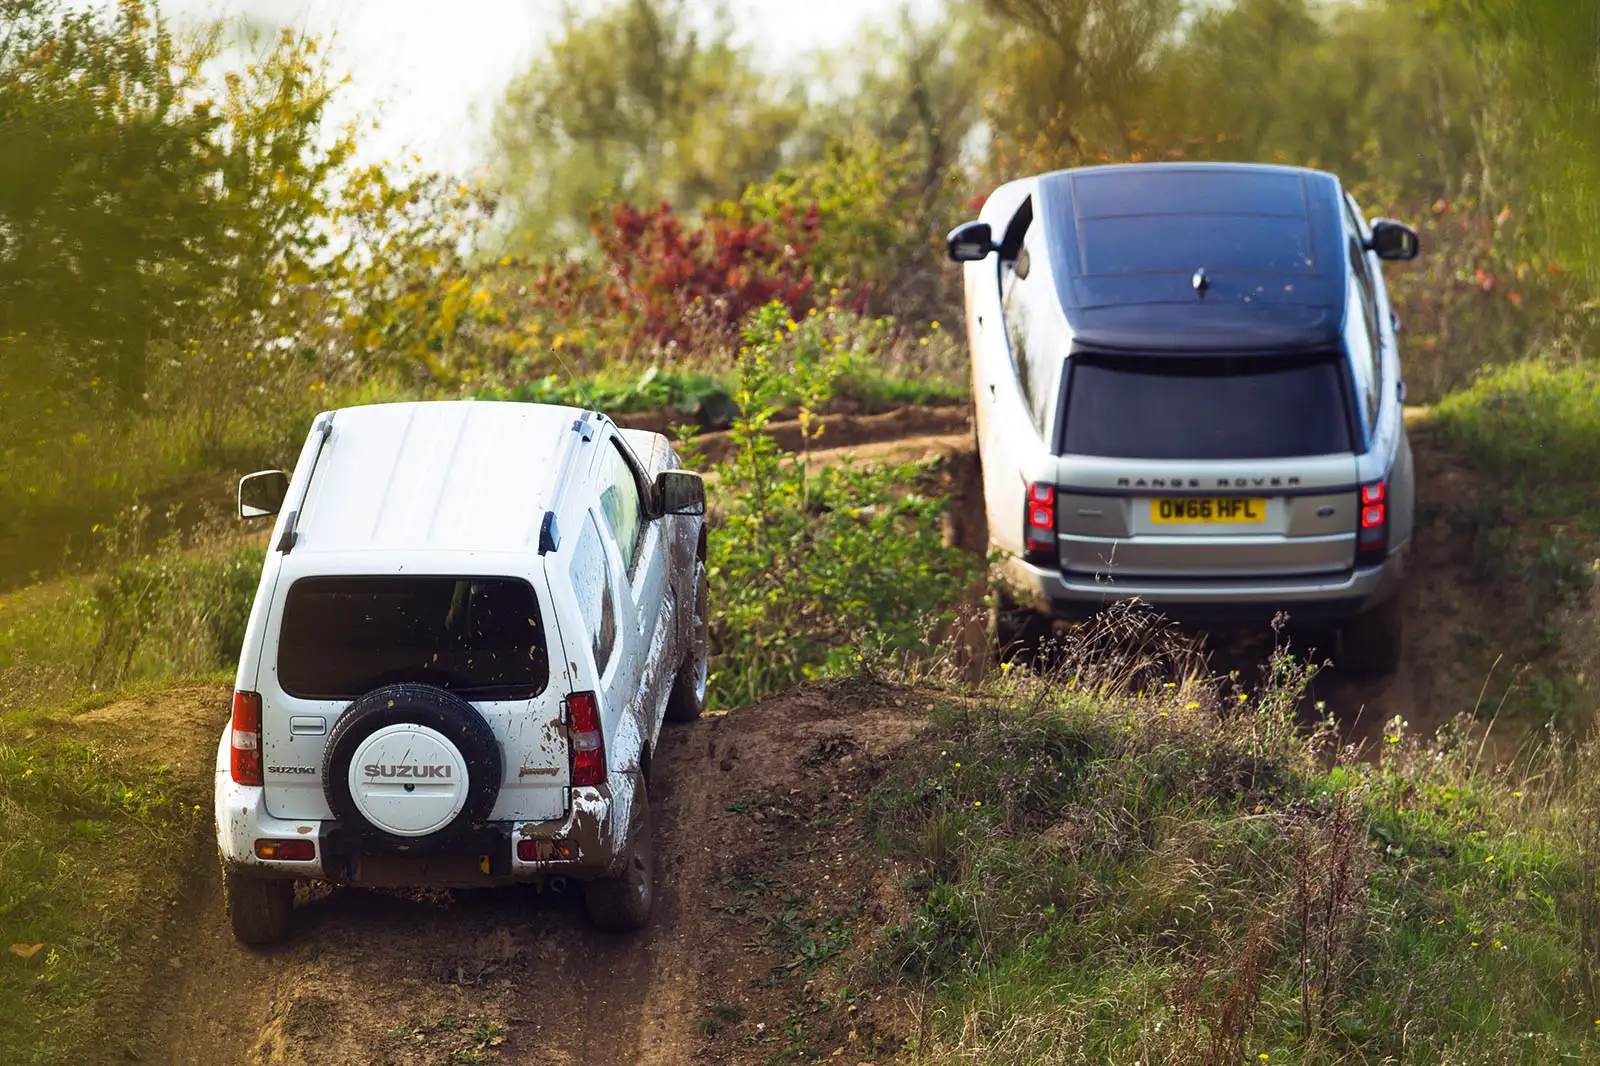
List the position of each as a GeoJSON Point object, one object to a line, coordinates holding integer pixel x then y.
{"type": "Point", "coordinates": [771, 895]}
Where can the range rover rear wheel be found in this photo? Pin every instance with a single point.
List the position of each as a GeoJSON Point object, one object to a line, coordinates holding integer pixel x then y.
{"type": "Point", "coordinates": [260, 908]}
{"type": "Point", "coordinates": [1369, 644]}
{"type": "Point", "coordinates": [622, 903]}
{"type": "Point", "coordinates": [1017, 633]}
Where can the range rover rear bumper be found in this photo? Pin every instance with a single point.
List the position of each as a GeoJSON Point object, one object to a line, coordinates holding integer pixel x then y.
{"type": "Point", "coordinates": [1325, 597]}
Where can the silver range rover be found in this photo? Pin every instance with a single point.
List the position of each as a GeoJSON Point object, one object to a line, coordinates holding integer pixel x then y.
{"type": "Point", "coordinates": [1188, 391]}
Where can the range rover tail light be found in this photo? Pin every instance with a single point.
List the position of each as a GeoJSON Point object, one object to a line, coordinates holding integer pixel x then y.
{"type": "Point", "coordinates": [1039, 541]}
{"type": "Point", "coordinates": [1372, 538]}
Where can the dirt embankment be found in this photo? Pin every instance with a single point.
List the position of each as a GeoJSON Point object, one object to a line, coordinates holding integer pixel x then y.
{"type": "Point", "coordinates": [757, 852]}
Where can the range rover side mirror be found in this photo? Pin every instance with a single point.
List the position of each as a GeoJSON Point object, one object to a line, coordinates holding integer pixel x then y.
{"type": "Point", "coordinates": [1394, 240]}
{"type": "Point", "coordinates": [261, 494]}
{"type": "Point", "coordinates": [970, 243]}
{"type": "Point", "coordinates": [680, 492]}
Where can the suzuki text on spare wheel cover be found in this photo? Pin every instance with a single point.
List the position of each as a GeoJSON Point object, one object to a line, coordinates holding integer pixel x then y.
{"type": "Point", "coordinates": [1188, 392]}
{"type": "Point", "coordinates": [472, 622]}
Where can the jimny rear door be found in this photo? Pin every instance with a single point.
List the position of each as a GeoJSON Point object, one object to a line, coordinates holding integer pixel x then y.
{"type": "Point", "coordinates": [488, 639]}
{"type": "Point", "coordinates": [1201, 467]}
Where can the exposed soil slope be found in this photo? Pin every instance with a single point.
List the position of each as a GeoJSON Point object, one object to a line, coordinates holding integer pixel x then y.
{"type": "Point", "coordinates": [760, 860]}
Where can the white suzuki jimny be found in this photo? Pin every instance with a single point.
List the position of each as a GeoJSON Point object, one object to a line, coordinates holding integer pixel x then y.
{"type": "Point", "coordinates": [472, 621]}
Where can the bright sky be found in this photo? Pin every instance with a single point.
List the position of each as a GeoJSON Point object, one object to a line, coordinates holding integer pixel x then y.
{"type": "Point", "coordinates": [437, 67]}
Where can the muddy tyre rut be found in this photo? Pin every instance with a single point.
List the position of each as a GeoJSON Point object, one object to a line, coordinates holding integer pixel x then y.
{"type": "Point", "coordinates": [516, 975]}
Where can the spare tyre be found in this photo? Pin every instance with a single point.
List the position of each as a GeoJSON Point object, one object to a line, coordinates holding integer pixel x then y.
{"type": "Point", "coordinates": [411, 766]}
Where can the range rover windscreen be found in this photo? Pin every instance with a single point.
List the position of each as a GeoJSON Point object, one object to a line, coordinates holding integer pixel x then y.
{"type": "Point", "coordinates": [1203, 407]}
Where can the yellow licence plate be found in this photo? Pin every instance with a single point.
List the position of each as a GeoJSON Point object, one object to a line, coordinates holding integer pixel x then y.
{"type": "Point", "coordinates": [1198, 509]}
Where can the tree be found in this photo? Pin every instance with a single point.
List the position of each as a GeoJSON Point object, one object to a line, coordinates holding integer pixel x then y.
{"type": "Point", "coordinates": [633, 104]}
{"type": "Point", "coordinates": [1552, 53]}
{"type": "Point", "coordinates": [1377, 91]}
{"type": "Point", "coordinates": [916, 85]}
{"type": "Point", "coordinates": [133, 202]}
{"type": "Point", "coordinates": [1078, 74]}
{"type": "Point", "coordinates": [109, 199]}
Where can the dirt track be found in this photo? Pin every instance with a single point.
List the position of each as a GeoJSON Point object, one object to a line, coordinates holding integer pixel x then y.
{"type": "Point", "coordinates": [755, 837]}
{"type": "Point", "coordinates": [755, 844]}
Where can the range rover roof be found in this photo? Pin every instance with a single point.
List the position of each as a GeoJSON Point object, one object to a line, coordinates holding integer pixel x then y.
{"type": "Point", "coordinates": [451, 476]}
{"type": "Point", "coordinates": [1126, 243]}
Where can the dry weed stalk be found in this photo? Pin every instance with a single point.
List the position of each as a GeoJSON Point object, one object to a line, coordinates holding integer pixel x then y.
{"type": "Point", "coordinates": [1215, 1031]}
{"type": "Point", "coordinates": [1330, 873]}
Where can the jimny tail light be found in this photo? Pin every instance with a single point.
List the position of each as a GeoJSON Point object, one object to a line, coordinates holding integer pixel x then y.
{"type": "Point", "coordinates": [588, 743]}
{"type": "Point", "coordinates": [1039, 547]}
{"type": "Point", "coordinates": [1372, 538]}
{"type": "Point", "coordinates": [244, 739]}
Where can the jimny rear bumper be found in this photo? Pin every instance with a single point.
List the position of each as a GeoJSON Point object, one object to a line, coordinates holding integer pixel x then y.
{"type": "Point", "coordinates": [589, 842]}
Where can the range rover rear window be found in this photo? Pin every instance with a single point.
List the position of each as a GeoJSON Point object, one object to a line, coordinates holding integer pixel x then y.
{"type": "Point", "coordinates": [481, 638]}
{"type": "Point", "coordinates": [1196, 407]}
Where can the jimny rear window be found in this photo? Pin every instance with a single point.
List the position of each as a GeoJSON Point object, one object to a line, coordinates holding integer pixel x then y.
{"type": "Point", "coordinates": [478, 637]}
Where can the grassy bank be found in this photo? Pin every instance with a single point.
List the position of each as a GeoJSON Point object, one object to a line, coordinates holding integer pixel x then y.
{"type": "Point", "coordinates": [1526, 499]}
{"type": "Point", "coordinates": [174, 613]}
{"type": "Point", "coordinates": [1534, 429]}
{"type": "Point", "coordinates": [1186, 877]}
{"type": "Point", "coordinates": [104, 811]}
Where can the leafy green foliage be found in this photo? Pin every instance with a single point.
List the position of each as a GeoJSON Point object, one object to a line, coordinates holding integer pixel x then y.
{"type": "Point", "coordinates": [107, 172]}
{"type": "Point", "coordinates": [189, 267]}
{"type": "Point", "coordinates": [804, 562]}
{"type": "Point", "coordinates": [684, 392]}
{"type": "Point", "coordinates": [135, 202]}
{"type": "Point", "coordinates": [876, 210]}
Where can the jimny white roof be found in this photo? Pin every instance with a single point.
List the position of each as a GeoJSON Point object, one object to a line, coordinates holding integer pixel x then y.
{"type": "Point", "coordinates": [449, 476]}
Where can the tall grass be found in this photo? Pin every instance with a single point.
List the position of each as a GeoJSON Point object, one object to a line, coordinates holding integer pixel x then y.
{"type": "Point", "coordinates": [146, 615]}
{"type": "Point", "coordinates": [1112, 871]}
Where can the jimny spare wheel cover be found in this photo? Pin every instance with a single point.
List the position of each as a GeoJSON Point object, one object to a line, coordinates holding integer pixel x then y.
{"type": "Point", "coordinates": [408, 780]}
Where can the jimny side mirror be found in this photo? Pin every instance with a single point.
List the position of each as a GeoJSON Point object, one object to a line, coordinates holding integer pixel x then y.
{"type": "Point", "coordinates": [261, 494]}
{"type": "Point", "coordinates": [680, 492]}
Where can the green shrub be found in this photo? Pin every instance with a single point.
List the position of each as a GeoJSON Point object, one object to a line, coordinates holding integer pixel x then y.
{"type": "Point", "coordinates": [877, 365]}
{"type": "Point", "coordinates": [803, 563]}
{"type": "Point", "coordinates": [1535, 422]}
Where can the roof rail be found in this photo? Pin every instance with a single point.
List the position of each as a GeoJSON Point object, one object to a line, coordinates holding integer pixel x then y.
{"type": "Point", "coordinates": [583, 431]}
{"type": "Point", "coordinates": [322, 429]}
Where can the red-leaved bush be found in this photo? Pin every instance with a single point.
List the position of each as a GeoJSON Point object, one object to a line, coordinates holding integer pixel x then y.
{"type": "Point", "coordinates": [676, 284]}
